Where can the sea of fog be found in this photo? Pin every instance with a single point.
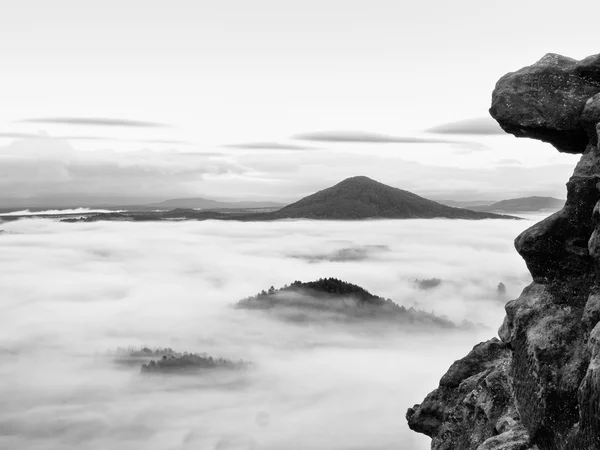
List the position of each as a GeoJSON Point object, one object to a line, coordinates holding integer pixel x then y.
{"type": "Point", "coordinates": [57, 212]}
{"type": "Point", "coordinates": [71, 294]}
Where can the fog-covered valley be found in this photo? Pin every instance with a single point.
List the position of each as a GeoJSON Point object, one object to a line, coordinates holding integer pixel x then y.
{"type": "Point", "coordinates": [72, 294]}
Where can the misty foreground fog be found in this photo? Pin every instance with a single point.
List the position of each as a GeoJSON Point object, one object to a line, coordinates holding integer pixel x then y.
{"type": "Point", "coordinates": [72, 294]}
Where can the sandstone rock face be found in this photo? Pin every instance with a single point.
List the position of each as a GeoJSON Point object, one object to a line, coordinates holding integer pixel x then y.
{"type": "Point", "coordinates": [473, 407]}
{"type": "Point", "coordinates": [550, 338]}
{"type": "Point", "coordinates": [545, 100]}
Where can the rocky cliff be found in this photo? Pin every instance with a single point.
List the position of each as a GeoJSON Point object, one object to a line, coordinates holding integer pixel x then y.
{"type": "Point", "coordinates": [539, 386]}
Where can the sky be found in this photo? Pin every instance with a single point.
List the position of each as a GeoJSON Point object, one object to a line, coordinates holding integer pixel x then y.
{"type": "Point", "coordinates": [324, 385]}
{"type": "Point", "coordinates": [121, 101]}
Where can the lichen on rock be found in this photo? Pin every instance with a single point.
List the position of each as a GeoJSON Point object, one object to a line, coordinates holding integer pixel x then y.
{"type": "Point", "coordinates": [551, 334]}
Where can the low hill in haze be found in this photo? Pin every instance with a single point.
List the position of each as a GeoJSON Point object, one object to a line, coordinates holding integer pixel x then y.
{"type": "Point", "coordinates": [468, 204]}
{"type": "Point", "coordinates": [190, 363]}
{"type": "Point", "coordinates": [363, 198]}
{"type": "Point", "coordinates": [168, 361]}
{"type": "Point", "coordinates": [523, 204]}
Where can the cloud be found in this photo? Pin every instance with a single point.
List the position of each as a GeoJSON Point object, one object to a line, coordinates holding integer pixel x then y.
{"type": "Point", "coordinates": [92, 138]}
{"type": "Point", "coordinates": [17, 135]}
{"type": "Point", "coordinates": [306, 173]}
{"type": "Point", "coordinates": [509, 162]}
{"type": "Point", "coordinates": [356, 253]}
{"type": "Point", "coordinates": [166, 141]}
{"type": "Point", "coordinates": [202, 154]}
{"type": "Point", "coordinates": [477, 126]}
{"type": "Point", "coordinates": [269, 146]}
{"type": "Point", "coordinates": [52, 168]}
{"type": "Point", "coordinates": [23, 135]}
{"type": "Point", "coordinates": [112, 139]}
{"type": "Point", "coordinates": [95, 121]}
{"type": "Point", "coordinates": [468, 147]}
{"type": "Point", "coordinates": [58, 212]}
{"type": "Point", "coordinates": [365, 137]}
{"type": "Point", "coordinates": [109, 285]}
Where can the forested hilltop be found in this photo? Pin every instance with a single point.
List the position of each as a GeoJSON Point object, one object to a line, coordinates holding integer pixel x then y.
{"type": "Point", "coordinates": [334, 299]}
{"type": "Point", "coordinates": [166, 360]}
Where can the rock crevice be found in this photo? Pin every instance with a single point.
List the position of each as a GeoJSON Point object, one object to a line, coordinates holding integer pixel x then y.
{"type": "Point", "coordinates": [546, 393]}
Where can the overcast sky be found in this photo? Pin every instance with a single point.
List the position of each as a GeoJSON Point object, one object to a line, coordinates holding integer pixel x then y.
{"type": "Point", "coordinates": [272, 99]}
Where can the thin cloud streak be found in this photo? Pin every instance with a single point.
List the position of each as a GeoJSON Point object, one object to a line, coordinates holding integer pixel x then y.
{"type": "Point", "coordinates": [366, 137]}
{"type": "Point", "coordinates": [111, 139]}
{"type": "Point", "coordinates": [269, 146]}
{"type": "Point", "coordinates": [96, 122]}
{"type": "Point", "coordinates": [480, 126]}
{"type": "Point", "coordinates": [11, 135]}
{"type": "Point", "coordinates": [203, 154]}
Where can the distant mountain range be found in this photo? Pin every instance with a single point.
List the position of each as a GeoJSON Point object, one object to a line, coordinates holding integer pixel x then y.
{"type": "Point", "coordinates": [355, 198]}
{"type": "Point", "coordinates": [363, 198]}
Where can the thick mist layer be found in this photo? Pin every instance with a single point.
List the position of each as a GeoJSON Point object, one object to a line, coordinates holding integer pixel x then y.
{"type": "Point", "coordinates": [74, 293]}
{"type": "Point", "coordinates": [57, 212]}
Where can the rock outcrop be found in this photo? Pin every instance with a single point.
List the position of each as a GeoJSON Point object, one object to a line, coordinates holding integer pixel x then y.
{"type": "Point", "coordinates": [545, 391]}
{"type": "Point", "coordinates": [473, 407]}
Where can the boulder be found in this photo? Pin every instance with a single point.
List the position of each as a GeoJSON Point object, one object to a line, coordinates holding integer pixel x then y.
{"type": "Point", "coordinates": [545, 100]}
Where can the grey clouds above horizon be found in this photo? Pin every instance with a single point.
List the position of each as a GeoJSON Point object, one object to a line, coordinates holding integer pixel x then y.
{"type": "Point", "coordinates": [29, 169]}
{"type": "Point", "coordinates": [37, 163]}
